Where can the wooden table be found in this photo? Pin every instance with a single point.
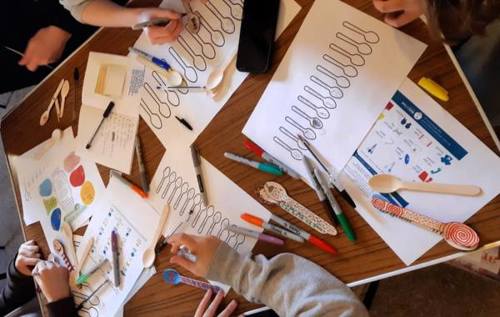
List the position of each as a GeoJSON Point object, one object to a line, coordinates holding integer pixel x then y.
{"type": "Point", "coordinates": [366, 258]}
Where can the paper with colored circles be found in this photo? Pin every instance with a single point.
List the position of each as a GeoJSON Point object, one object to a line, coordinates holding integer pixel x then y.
{"type": "Point", "coordinates": [59, 186]}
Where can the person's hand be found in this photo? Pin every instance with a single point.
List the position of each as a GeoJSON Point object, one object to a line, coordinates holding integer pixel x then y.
{"type": "Point", "coordinates": [161, 34]}
{"type": "Point", "coordinates": [210, 311]}
{"type": "Point", "coordinates": [202, 246]}
{"type": "Point", "coordinates": [27, 257]}
{"type": "Point", "coordinates": [45, 47]}
{"type": "Point", "coordinates": [52, 279]}
{"type": "Point", "coordinates": [400, 12]}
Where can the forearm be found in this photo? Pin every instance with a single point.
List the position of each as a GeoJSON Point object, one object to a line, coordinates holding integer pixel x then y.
{"type": "Point", "coordinates": [289, 284]}
{"type": "Point", "coordinates": [108, 14]}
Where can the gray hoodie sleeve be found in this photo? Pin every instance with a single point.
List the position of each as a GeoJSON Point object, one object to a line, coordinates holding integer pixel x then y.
{"type": "Point", "coordinates": [287, 283]}
{"type": "Point", "coordinates": [75, 7]}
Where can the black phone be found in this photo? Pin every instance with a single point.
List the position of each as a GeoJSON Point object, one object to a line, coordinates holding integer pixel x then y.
{"type": "Point", "coordinates": [258, 28]}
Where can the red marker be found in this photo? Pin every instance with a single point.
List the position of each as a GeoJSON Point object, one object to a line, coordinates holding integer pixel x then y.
{"type": "Point", "coordinates": [307, 236]}
{"type": "Point", "coordinates": [269, 158]}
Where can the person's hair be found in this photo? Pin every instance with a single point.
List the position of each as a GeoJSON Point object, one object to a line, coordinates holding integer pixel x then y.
{"type": "Point", "coordinates": [459, 19]}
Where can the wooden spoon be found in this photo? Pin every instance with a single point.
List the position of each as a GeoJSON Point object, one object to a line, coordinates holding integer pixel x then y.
{"type": "Point", "coordinates": [64, 94]}
{"type": "Point", "coordinates": [149, 255]}
{"type": "Point", "coordinates": [385, 183]}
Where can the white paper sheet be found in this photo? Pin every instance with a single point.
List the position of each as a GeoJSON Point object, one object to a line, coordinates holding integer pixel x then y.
{"type": "Point", "coordinates": [159, 104]}
{"type": "Point", "coordinates": [124, 211]}
{"type": "Point", "coordinates": [59, 186]}
{"type": "Point", "coordinates": [29, 171]}
{"type": "Point", "coordinates": [417, 140]}
{"type": "Point", "coordinates": [113, 145]}
{"type": "Point", "coordinates": [141, 281]}
{"type": "Point", "coordinates": [336, 119]}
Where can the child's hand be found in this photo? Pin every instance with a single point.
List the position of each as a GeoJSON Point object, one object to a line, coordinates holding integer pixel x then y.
{"type": "Point", "coordinates": [203, 311]}
{"type": "Point", "coordinates": [45, 47]}
{"type": "Point", "coordinates": [400, 12]}
{"type": "Point", "coordinates": [27, 257]}
{"type": "Point", "coordinates": [52, 279]}
{"type": "Point", "coordinates": [162, 34]}
{"type": "Point", "coordinates": [202, 246]}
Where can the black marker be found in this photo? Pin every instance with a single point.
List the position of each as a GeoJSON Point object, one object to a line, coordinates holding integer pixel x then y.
{"type": "Point", "coordinates": [184, 123]}
{"type": "Point", "coordinates": [106, 114]}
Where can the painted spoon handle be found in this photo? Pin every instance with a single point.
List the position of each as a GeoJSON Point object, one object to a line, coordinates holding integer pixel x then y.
{"type": "Point", "coordinates": [307, 216]}
{"type": "Point", "coordinates": [199, 284]}
{"type": "Point", "coordinates": [407, 215]}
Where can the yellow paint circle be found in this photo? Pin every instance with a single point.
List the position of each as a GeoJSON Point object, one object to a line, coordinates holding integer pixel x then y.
{"type": "Point", "coordinates": [87, 193]}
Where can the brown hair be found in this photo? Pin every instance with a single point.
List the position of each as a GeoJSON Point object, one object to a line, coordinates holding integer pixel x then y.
{"type": "Point", "coordinates": [459, 19]}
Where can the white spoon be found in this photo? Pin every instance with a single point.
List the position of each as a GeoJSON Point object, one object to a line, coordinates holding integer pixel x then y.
{"type": "Point", "coordinates": [148, 258]}
{"type": "Point", "coordinates": [64, 94]}
{"type": "Point", "coordinates": [216, 77]}
{"type": "Point", "coordinates": [385, 183]}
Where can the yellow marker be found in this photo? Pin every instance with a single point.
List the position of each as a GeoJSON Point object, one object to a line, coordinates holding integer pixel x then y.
{"type": "Point", "coordinates": [433, 88]}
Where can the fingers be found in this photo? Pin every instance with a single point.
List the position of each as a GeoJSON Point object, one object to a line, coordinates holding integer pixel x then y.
{"type": "Point", "coordinates": [164, 34]}
{"type": "Point", "coordinates": [229, 310]}
{"type": "Point", "coordinates": [179, 260]}
{"type": "Point", "coordinates": [182, 238]}
{"type": "Point", "coordinates": [203, 304]}
{"type": "Point", "coordinates": [388, 6]}
{"type": "Point", "coordinates": [399, 20]}
{"type": "Point", "coordinates": [162, 13]}
{"type": "Point", "coordinates": [212, 309]}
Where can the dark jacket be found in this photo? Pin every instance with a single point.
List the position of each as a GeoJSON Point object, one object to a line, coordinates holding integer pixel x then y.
{"type": "Point", "coordinates": [20, 289]}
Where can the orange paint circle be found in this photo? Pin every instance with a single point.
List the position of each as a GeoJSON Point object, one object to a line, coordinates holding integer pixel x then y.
{"type": "Point", "coordinates": [87, 193]}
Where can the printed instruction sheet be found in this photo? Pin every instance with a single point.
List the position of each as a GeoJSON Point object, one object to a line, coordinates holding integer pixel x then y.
{"type": "Point", "coordinates": [416, 140]}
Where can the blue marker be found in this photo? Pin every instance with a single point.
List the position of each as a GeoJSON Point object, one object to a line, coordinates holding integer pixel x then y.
{"type": "Point", "coordinates": [155, 60]}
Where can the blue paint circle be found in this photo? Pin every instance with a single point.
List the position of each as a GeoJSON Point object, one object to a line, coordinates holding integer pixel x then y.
{"type": "Point", "coordinates": [55, 219]}
{"type": "Point", "coordinates": [45, 188]}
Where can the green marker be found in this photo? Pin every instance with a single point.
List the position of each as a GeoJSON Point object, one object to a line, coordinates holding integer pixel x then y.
{"type": "Point", "coordinates": [83, 278]}
{"type": "Point", "coordinates": [265, 167]}
{"type": "Point", "coordinates": [344, 223]}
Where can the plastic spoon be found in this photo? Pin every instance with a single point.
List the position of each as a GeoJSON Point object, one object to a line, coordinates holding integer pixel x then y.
{"type": "Point", "coordinates": [148, 258]}
{"type": "Point", "coordinates": [64, 94]}
{"type": "Point", "coordinates": [216, 77]}
{"type": "Point", "coordinates": [385, 183]}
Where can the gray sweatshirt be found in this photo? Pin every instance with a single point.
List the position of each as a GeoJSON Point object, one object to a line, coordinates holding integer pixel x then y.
{"type": "Point", "coordinates": [287, 283]}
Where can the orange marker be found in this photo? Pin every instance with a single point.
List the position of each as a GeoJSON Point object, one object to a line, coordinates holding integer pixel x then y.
{"type": "Point", "coordinates": [293, 229]}
{"type": "Point", "coordinates": [275, 229]}
{"type": "Point", "coordinates": [132, 186]}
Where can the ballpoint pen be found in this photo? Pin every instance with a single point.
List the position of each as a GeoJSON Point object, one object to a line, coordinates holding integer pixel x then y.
{"type": "Point", "coordinates": [105, 114]}
{"type": "Point", "coordinates": [320, 192]}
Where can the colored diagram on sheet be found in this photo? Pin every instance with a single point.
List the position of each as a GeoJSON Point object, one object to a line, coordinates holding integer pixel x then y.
{"type": "Point", "coordinates": [405, 142]}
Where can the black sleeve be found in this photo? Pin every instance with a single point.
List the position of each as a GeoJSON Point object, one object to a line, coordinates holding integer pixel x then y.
{"type": "Point", "coordinates": [19, 290]}
{"type": "Point", "coordinates": [62, 18]}
{"type": "Point", "coordinates": [62, 308]}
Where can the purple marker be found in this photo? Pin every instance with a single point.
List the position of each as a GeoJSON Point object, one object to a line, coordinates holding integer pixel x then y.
{"type": "Point", "coordinates": [257, 235]}
{"type": "Point", "coordinates": [173, 277]}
